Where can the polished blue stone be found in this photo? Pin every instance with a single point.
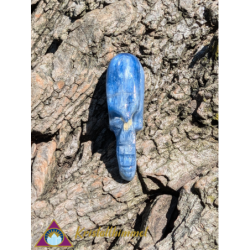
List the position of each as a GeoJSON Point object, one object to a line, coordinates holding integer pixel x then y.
{"type": "Point", "coordinates": [125, 97]}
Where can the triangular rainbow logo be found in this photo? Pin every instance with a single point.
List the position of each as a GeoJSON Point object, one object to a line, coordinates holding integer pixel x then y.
{"type": "Point", "coordinates": [53, 237]}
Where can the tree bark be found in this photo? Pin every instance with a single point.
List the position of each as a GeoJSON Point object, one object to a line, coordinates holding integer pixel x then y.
{"type": "Point", "coordinates": [75, 178]}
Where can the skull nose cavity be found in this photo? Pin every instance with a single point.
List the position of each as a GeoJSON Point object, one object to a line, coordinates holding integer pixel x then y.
{"type": "Point", "coordinates": [126, 117]}
{"type": "Point", "coordinates": [127, 125]}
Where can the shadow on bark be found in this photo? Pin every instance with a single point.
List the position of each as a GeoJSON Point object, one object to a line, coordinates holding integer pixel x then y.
{"type": "Point", "coordinates": [97, 130]}
{"type": "Point", "coordinates": [34, 6]}
{"type": "Point", "coordinates": [54, 46]}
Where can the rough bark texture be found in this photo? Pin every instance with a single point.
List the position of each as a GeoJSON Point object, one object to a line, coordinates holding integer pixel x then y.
{"type": "Point", "coordinates": [75, 178]}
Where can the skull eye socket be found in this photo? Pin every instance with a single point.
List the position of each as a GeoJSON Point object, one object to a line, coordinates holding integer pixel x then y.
{"type": "Point", "coordinates": [116, 120]}
{"type": "Point", "coordinates": [115, 115]}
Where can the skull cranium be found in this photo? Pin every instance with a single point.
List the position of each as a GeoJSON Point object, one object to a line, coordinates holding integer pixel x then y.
{"type": "Point", "coordinates": [125, 97]}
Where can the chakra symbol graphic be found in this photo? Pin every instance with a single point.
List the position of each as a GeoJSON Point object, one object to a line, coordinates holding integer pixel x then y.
{"type": "Point", "coordinates": [54, 237]}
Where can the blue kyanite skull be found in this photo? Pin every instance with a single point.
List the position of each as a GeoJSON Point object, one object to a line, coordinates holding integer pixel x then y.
{"type": "Point", "coordinates": [125, 97]}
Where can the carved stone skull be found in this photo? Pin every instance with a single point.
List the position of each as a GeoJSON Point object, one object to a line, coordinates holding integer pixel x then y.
{"type": "Point", "coordinates": [125, 97]}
